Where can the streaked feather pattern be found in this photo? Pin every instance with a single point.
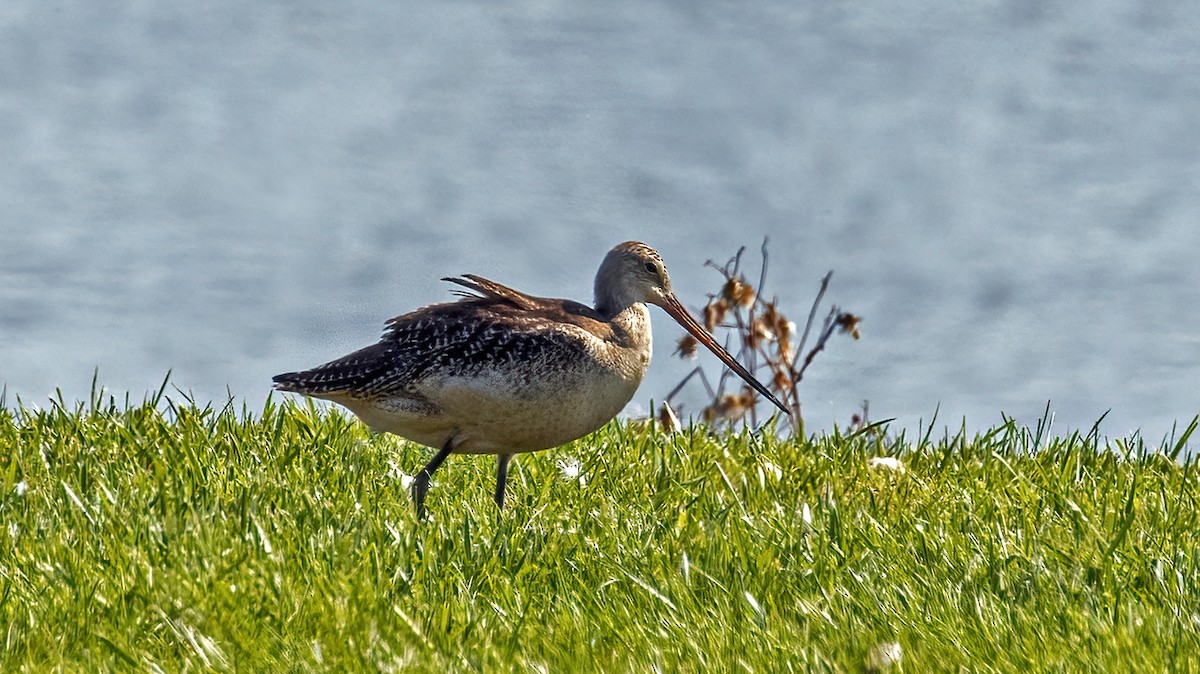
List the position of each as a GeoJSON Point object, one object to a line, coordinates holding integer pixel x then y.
{"type": "Point", "coordinates": [497, 328]}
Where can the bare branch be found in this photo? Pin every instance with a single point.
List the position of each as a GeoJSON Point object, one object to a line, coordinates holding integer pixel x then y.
{"type": "Point", "coordinates": [826, 331]}
{"type": "Point", "coordinates": [811, 315]}
{"type": "Point", "coordinates": [762, 274]}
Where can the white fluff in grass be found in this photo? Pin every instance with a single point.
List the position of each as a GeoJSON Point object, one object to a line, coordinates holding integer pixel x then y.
{"type": "Point", "coordinates": [772, 470]}
{"type": "Point", "coordinates": [572, 470]}
{"type": "Point", "coordinates": [806, 514]}
{"type": "Point", "coordinates": [394, 472]}
{"type": "Point", "coordinates": [884, 656]}
{"type": "Point", "coordinates": [886, 463]}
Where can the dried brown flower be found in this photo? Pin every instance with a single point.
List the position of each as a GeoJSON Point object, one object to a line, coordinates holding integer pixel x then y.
{"type": "Point", "coordinates": [748, 399]}
{"type": "Point", "coordinates": [686, 347]}
{"type": "Point", "coordinates": [737, 292]}
{"type": "Point", "coordinates": [771, 314]}
{"type": "Point", "coordinates": [714, 313]}
{"type": "Point", "coordinates": [764, 330]}
{"type": "Point", "coordinates": [782, 381]}
{"type": "Point", "coordinates": [785, 352]}
{"type": "Point", "coordinates": [758, 333]}
{"type": "Point", "coordinates": [728, 407]}
{"type": "Point", "coordinates": [848, 323]}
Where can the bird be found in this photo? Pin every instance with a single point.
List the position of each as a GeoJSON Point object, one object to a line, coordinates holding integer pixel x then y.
{"type": "Point", "coordinates": [501, 372]}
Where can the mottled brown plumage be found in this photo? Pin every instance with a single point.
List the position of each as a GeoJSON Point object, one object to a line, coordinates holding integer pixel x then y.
{"type": "Point", "coordinates": [501, 372]}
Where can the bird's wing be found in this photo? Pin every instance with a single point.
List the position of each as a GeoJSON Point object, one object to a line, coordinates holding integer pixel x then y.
{"type": "Point", "coordinates": [456, 338]}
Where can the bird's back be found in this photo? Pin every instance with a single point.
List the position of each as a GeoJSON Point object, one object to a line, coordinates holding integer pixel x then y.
{"type": "Point", "coordinates": [499, 329]}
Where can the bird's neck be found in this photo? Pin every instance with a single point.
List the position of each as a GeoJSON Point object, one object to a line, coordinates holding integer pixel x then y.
{"type": "Point", "coordinates": [627, 350]}
{"type": "Point", "coordinates": [631, 329]}
{"type": "Point", "coordinates": [613, 292]}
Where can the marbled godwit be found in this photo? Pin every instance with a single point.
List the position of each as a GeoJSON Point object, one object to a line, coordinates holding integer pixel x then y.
{"type": "Point", "coordinates": [501, 372]}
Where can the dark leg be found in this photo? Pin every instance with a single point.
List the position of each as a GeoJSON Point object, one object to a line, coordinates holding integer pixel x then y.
{"type": "Point", "coordinates": [501, 477]}
{"type": "Point", "coordinates": [421, 483]}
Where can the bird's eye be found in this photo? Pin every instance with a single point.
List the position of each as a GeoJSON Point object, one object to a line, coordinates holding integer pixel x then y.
{"type": "Point", "coordinates": [651, 268]}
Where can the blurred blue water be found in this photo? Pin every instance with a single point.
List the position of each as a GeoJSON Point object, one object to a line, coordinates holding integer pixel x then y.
{"type": "Point", "coordinates": [1007, 191]}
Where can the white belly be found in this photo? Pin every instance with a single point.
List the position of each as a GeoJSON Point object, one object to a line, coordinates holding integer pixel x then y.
{"type": "Point", "coordinates": [502, 412]}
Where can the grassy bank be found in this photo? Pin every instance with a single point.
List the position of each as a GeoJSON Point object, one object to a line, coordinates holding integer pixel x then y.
{"type": "Point", "coordinates": [201, 540]}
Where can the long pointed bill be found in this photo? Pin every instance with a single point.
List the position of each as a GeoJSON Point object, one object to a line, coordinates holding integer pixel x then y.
{"type": "Point", "coordinates": [684, 318]}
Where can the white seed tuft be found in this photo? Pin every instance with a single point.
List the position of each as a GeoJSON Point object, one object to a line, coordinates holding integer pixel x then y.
{"type": "Point", "coordinates": [889, 463]}
{"type": "Point", "coordinates": [884, 656]}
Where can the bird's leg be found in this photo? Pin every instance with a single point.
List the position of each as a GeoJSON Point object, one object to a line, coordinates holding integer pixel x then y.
{"type": "Point", "coordinates": [421, 483]}
{"type": "Point", "coordinates": [501, 477]}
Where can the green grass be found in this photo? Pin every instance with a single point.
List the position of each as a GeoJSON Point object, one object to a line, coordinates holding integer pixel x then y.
{"type": "Point", "coordinates": [164, 537]}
